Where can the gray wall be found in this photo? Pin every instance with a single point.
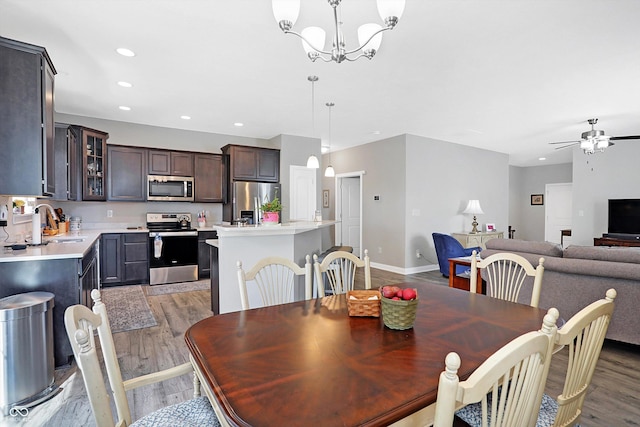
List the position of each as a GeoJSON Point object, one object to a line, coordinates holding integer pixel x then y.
{"type": "Point", "coordinates": [613, 174]}
{"type": "Point", "coordinates": [527, 220]}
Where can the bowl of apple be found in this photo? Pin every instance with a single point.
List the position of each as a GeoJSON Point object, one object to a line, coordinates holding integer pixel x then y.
{"type": "Point", "coordinates": [398, 306]}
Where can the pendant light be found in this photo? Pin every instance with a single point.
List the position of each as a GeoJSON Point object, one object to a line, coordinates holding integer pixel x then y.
{"type": "Point", "coordinates": [312, 161]}
{"type": "Point", "coordinates": [330, 172]}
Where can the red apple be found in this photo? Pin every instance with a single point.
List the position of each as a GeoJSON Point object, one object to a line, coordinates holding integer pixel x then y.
{"type": "Point", "coordinates": [396, 298]}
{"type": "Point", "coordinates": [409, 294]}
{"type": "Point", "coordinates": [388, 292]}
{"type": "Point", "coordinates": [399, 293]}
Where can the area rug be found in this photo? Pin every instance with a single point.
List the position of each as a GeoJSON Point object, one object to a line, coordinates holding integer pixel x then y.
{"type": "Point", "coordinates": [174, 288]}
{"type": "Point", "coordinates": [127, 308]}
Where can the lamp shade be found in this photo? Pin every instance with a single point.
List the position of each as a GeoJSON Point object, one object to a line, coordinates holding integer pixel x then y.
{"type": "Point", "coordinates": [329, 172]}
{"type": "Point", "coordinates": [473, 208]}
{"type": "Point", "coordinates": [286, 10]}
{"type": "Point", "coordinates": [367, 30]}
{"type": "Point", "coordinates": [316, 37]}
{"type": "Point", "coordinates": [312, 162]}
{"type": "Point", "coordinates": [388, 8]}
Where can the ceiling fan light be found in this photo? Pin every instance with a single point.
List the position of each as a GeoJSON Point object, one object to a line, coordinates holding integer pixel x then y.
{"type": "Point", "coordinates": [602, 143]}
{"type": "Point", "coordinates": [286, 12]}
{"type": "Point", "coordinates": [312, 162]}
{"type": "Point", "coordinates": [365, 31]}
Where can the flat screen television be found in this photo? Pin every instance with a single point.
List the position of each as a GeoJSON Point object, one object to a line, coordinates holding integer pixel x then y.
{"type": "Point", "coordinates": [624, 216]}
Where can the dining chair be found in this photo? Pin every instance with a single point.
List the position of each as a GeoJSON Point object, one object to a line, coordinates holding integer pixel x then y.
{"type": "Point", "coordinates": [340, 269]}
{"type": "Point", "coordinates": [80, 324]}
{"type": "Point", "coordinates": [583, 335]}
{"type": "Point", "coordinates": [505, 274]}
{"type": "Point", "coordinates": [507, 387]}
{"type": "Point", "coordinates": [276, 279]}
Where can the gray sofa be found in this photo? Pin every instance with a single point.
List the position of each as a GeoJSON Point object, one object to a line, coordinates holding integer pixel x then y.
{"type": "Point", "coordinates": [579, 275]}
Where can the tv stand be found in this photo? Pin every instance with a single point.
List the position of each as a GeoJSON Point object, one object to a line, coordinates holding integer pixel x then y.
{"type": "Point", "coordinates": [627, 240]}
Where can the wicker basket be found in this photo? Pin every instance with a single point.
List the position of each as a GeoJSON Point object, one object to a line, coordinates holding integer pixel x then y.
{"type": "Point", "coordinates": [399, 314]}
{"type": "Point", "coordinates": [362, 305]}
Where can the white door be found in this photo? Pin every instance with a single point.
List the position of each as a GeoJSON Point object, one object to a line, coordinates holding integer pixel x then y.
{"type": "Point", "coordinates": [302, 193]}
{"type": "Point", "coordinates": [350, 213]}
{"type": "Point", "coordinates": [557, 209]}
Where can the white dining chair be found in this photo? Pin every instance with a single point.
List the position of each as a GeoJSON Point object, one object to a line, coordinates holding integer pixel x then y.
{"type": "Point", "coordinates": [80, 324]}
{"type": "Point", "coordinates": [507, 387]}
{"type": "Point", "coordinates": [583, 335]}
{"type": "Point", "coordinates": [505, 274]}
{"type": "Point", "coordinates": [340, 268]}
{"type": "Point", "coordinates": [276, 279]}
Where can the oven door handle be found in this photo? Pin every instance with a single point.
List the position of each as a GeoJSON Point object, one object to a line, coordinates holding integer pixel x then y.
{"type": "Point", "coordinates": [173, 233]}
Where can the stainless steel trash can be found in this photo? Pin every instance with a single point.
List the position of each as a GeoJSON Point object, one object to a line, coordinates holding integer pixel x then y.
{"type": "Point", "coordinates": [26, 343]}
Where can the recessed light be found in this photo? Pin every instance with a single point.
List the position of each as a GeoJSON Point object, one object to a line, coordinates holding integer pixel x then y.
{"type": "Point", "coordinates": [324, 149]}
{"type": "Point", "coordinates": [125, 52]}
{"type": "Point", "coordinates": [376, 132]}
{"type": "Point", "coordinates": [238, 124]}
{"type": "Point", "coordinates": [124, 108]}
{"type": "Point", "coordinates": [125, 84]}
{"type": "Point", "coordinates": [542, 158]}
{"type": "Point", "coordinates": [185, 117]}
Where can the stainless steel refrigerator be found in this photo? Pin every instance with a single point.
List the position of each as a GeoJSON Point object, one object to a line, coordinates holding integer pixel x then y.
{"type": "Point", "coordinates": [245, 200]}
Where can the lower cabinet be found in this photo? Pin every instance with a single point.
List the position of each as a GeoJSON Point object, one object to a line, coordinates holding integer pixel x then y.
{"type": "Point", "coordinates": [204, 264]}
{"type": "Point", "coordinates": [124, 259]}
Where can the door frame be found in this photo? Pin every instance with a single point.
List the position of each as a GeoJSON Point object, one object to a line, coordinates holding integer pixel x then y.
{"type": "Point", "coordinates": [338, 204]}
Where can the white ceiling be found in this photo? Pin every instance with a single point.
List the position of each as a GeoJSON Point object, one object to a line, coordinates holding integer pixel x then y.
{"type": "Point", "coordinates": [504, 75]}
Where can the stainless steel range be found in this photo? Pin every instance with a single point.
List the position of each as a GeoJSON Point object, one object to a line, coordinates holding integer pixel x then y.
{"type": "Point", "coordinates": [173, 248]}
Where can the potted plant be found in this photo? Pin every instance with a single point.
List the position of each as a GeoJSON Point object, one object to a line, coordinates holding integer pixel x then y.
{"type": "Point", "coordinates": [271, 211]}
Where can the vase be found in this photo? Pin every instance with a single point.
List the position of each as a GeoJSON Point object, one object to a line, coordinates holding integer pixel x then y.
{"type": "Point", "coordinates": [270, 217]}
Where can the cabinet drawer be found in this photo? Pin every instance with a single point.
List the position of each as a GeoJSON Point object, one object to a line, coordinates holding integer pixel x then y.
{"type": "Point", "coordinates": [135, 252]}
{"type": "Point", "coordinates": [135, 237]}
{"type": "Point", "coordinates": [136, 272]}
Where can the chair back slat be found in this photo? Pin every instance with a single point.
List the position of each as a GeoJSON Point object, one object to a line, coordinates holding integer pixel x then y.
{"type": "Point", "coordinates": [276, 280]}
{"type": "Point", "coordinates": [340, 269]}
{"type": "Point", "coordinates": [506, 274]}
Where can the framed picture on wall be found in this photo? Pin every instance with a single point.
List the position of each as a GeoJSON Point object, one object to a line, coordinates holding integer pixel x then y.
{"type": "Point", "coordinates": [537, 199]}
{"type": "Point", "coordinates": [325, 198]}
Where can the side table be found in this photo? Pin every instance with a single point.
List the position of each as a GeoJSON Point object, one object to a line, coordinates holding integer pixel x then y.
{"type": "Point", "coordinates": [462, 282]}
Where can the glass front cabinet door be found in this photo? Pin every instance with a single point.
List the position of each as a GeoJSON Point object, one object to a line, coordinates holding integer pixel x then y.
{"type": "Point", "coordinates": [94, 162]}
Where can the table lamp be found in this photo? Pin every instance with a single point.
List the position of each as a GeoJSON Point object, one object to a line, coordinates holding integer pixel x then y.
{"type": "Point", "coordinates": [473, 208]}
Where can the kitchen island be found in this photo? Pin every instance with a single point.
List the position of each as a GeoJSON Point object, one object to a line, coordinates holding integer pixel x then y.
{"type": "Point", "coordinates": [250, 244]}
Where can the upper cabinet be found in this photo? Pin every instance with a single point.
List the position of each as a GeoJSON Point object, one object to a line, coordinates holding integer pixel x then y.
{"type": "Point", "coordinates": [93, 149]}
{"type": "Point", "coordinates": [66, 156]}
{"type": "Point", "coordinates": [176, 163]}
{"type": "Point", "coordinates": [26, 120]}
{"type": "Point", "coordinates": [209, 180]}
{"type": "Point", "coordinates": [127, 173]}
{"type": "Point", "coordinates": [253, 163]}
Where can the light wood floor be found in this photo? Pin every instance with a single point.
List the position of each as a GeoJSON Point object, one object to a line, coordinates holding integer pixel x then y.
{"type": "Point", "coordinates": [612, 399]}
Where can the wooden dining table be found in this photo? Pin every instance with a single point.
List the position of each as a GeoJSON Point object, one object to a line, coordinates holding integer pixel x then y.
{"type": "Point", "coordinates": [309, 363]}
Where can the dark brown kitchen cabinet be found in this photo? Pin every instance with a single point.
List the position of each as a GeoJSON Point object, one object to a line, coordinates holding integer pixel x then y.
{"type": "Point", "coordinates": [127, 173]}
{"type": "Point", "coordinates": [66, 164]}
{"type": "Point", "coordinates": [93, 150]}
{"type": "Point", "coordinates": [204, 262]}
{"type": "Point", "coordinates": [26, 120]}
{"type": "Point", "coordinates": [176, 163]}
{"type": "Point", "coordinates": [124, 258]}
{"type": "Point", "coordinates": [253, 163]}
{"type": "Point", "coordinates": [209, 179]}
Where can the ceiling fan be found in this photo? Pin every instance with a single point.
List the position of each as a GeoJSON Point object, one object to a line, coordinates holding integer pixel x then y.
{"type": "Point", "coordinates": [594, 140]}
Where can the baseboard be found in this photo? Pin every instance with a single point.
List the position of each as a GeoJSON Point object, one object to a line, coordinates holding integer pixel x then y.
{"type": "Point", "coordinates": [405, 271]}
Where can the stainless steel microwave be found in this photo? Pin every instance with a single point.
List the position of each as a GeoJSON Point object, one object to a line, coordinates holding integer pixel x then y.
{"type": "Point", "coordinates": [170, 188]}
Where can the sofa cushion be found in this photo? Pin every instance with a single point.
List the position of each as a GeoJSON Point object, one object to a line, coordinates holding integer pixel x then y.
{"type": "Point", "coordinates": [604, 253]}
{"type": "Point", "coordinates": [546, 249]}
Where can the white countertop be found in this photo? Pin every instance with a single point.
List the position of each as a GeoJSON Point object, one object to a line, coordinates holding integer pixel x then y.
{"type": "Point", "coordinates": [270, 230]}
{"type": "Point", "coordinates": [61, 246]}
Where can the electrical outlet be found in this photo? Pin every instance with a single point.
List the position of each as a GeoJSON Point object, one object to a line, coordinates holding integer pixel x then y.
{"type": "Point", "coordinates": [418, 254]}
{"type": "Point", "coordinates": [3, 223]}
{"type": "Point", "coordinates": [109, 213]}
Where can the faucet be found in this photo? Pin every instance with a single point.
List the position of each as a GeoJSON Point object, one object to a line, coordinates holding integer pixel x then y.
{"type": "Point", "coordinates": [36, 232]}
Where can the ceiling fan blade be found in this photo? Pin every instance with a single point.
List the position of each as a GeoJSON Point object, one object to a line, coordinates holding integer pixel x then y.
{"type": "Point", "coordinates": [565, 142]}
{"type": "Point", "coordinates": [571, 144]}
{"type": "Point", "coordinates": [614, 138]}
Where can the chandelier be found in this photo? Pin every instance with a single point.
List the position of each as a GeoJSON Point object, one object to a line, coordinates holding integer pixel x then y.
{"type": "Point", "coordinates": [313, 38]}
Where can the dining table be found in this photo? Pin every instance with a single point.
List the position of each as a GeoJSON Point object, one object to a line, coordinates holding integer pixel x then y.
{"type": "Point", "coordinates": [309, 363]}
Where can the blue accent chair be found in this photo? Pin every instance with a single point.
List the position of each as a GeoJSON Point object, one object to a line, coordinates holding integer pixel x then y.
{"type": "Point", "coordinates": [448, 247]}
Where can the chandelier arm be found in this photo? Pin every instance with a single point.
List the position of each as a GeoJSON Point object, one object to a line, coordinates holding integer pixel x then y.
{"type": "Point", "coordinates": [367, 42]}
{"type": "Point", "coordinates": [358, 57]}
{"type": "Point", "coordinates": [303, 38]}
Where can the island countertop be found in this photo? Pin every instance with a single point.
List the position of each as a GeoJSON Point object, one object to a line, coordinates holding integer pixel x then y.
{"type": "Point", "coordinates": [289, 228]}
